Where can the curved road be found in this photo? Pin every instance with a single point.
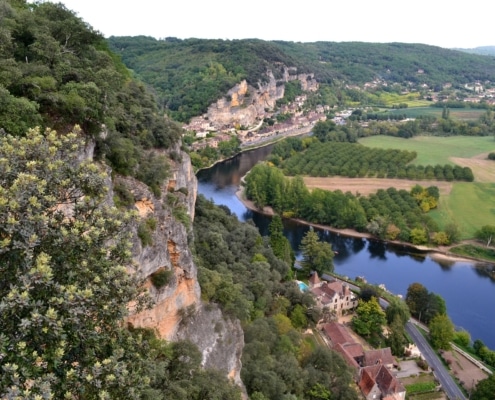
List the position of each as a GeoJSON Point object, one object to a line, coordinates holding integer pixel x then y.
{"type": "Point", "coordinates": [449, 386]}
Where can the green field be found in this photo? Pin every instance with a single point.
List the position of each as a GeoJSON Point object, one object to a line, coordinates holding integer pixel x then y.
{"type": "Point", "coordinates": [434, 150]}
{"type": "Point", "coordinates": [413, 111]}
{"type": "Point", "coordinates": [469, 205]}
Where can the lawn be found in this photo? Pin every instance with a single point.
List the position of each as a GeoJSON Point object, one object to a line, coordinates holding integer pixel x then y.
{"type": "Point", "coordinates": [434, 150]}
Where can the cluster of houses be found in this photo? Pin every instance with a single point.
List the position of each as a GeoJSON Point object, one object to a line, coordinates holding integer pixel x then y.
{"type": "Point", "coordinates": [373, 368]}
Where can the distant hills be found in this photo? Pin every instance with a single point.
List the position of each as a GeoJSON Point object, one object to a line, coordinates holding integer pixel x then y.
{"type": "Point", "coordinates": [482, 50]}
{"type": "Point", "coordinates": [188, 75]}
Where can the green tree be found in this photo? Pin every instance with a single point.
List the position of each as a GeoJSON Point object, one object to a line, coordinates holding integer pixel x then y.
{"type": "Point", "coordinates": [441, 332]}
{"type": "Point", "coordinates": [396, 338]}
{"type": "Point", "coordinates": [462, 338]}
{"type": "Point", "coordinates": [485, 234]}
{"type": "Point", "coordinates": [280, 244]}
{"type": "Point", "coordinates": [369, 318]}
{"type": "Point", "coordinates": [397, 308]}
{"type": "Point", "coordinates": [485, 389]}
{"type": "Point", "coordinates": [65, 263]}
{"type": "Point", "coordinates": [317, 255]}
{"type": "Point", "coordinates": [416, 299]}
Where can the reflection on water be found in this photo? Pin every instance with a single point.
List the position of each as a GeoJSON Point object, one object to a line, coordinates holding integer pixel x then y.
{"type": "Point", "coordinates": [468, 290]}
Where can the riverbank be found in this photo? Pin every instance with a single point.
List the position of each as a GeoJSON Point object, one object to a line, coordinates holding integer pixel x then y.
{"type": "Point", "coordinates": [245, 147]}
{"type": "Point", "coordinates": [436, 253]}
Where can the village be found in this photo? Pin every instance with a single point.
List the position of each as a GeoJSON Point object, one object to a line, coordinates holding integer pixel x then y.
{"type": "Point", "coordinates": [377, 373]}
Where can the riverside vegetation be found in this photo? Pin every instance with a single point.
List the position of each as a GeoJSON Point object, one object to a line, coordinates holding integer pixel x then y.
{"type": "Point", "coordinates": [65, 290]}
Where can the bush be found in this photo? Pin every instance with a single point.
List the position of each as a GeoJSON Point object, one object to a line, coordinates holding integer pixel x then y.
{"type": "Point", "coordinates": [145, 231]}
{"type": "Point", "coordinates": [491, 156]}
{"type": "Point", "coordinates": [422, 364]}
{"type": "Point", "coordinates": [123, 196]}
{"type": "Point", "coordinates": [161, 277]}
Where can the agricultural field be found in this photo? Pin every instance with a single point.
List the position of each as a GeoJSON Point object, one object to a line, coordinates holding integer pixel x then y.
{"type": "Point", "coordinates": [468, 204]}
{"type": "Point", "coordinates": [434, 150]}
{"type": "Point", "coordinates": [419, 108]}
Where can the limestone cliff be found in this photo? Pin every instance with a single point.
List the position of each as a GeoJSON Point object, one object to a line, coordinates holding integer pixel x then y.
{"type": "Point", "coordinates": [219, 340]}
{"type": "Point", "coordinates": [245, 105]}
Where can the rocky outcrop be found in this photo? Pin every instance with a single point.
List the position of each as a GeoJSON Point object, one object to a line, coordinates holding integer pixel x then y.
{"type": "Point", "coordinates": [178, 312]}
{"type": "Point", "coordinates": [220, 339]}
{"type": "Point", "coordinates": [244, 105]}
{"type": "Point", "coordinates": [169, 250]}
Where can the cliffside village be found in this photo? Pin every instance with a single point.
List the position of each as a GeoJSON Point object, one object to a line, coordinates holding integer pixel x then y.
{"type": "Point", "coordinates": [244, 111]}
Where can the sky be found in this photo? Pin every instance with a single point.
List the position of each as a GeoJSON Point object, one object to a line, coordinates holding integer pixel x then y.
{"type": "Point", "coordinates": [422, 21]}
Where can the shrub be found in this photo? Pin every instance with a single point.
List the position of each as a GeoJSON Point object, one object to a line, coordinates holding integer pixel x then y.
{"type": "Point", "coordinates": [123, 196]}
{"type": "Point", "coordinates": [145, 231]}
{"type": "Point", "coordinates": [161, 277]}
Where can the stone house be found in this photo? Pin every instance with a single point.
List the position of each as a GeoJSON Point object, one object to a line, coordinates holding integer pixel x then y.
{"type": "Point", "coordinates": [335, 295]}
{"type": "Point", "coordinates": [377, 382]}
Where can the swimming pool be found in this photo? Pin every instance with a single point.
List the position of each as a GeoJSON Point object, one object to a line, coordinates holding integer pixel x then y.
{"type": "Point", "coordinates": [302, 286]}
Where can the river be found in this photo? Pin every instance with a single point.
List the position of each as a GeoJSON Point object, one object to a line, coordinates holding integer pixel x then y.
{"type": "Point", "coordinates": [468, 292]}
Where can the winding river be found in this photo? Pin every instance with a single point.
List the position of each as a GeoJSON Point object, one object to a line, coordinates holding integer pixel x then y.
{"type": "Point", "coordinates": [468, 292]}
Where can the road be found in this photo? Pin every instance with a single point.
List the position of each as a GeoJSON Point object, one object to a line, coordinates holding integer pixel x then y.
{"type": "Point", "coordinates": [449, 386]}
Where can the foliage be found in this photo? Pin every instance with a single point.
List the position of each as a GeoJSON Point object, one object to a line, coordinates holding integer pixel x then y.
{"type": "Point", "coordinates": [474, 251]}
{"type": "Point", "coordinates": [387, 214]}
{"type": "Point", "coordinates": [441, 332]}
{"type": "Point", "coordinates": [485, 234]}
{"type": "Point", "coordinates": [423, 304]}
{"type": "Point", "coordinates": [316, 255]}
{"type": "Point", "coordinates": [484, 353]}
{"type": "Point", "coordinates": [354, 160]}
{"type": "Point", "coordinates": [238, 270]}
{"type": "Point", "coordinates": [369, 318]}
{"type": "Point", "coordinates": [145, 231]}
{"type": "Point", "coordinates": [57, 72]}
{"type": "Point", "coordinates": [279, 243]}
{"type": "Point", "coordinates": [176, 373]}
{"type": "Point", "coordinates": [397, 308]}
{"type": "Point", "coordinates": [420, 387]}
{"type": "Point", "coordinates": [161, 278]}
{"type": "Point", "coordinates": [485, 389]}
{"type": "Point", "coordinates": [188, 75]}
{"type": "Point", "coordinates": [462, 338]}
{"type": "Point", "coordinates": [64, 256]}
{"type": "Point", "coordinates": [397, 337]}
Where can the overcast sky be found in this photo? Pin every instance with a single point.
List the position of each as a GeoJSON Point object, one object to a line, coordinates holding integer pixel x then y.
{"type": "Point", "coordinates": [434, 22]}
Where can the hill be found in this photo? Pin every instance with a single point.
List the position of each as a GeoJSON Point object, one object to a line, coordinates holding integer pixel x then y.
{"type": "Point", "coordinates": [188, 75]}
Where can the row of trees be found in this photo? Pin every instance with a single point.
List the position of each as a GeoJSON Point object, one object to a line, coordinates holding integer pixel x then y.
{"type": "Point", "coordinates": [388, 214]}
{"type": "Point", "coordinates": [354, 160]}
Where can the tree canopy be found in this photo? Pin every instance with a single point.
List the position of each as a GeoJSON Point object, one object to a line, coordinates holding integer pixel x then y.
{"type": "Point", "coordinates": [64, 260]}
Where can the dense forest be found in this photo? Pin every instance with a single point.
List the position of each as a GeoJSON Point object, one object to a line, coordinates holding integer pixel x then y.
{"type": "Point", "coordinates": [188, 75]}
{"type": "Point", "coordinates": [56, 72]}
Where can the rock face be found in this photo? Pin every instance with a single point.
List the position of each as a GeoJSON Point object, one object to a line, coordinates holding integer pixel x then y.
{"type": "Point", "coordinates": [220, 339]}
{"type": "Point", "coordinates": [245, 105]}
{"type": "Point", "coordinates": [178, 312]}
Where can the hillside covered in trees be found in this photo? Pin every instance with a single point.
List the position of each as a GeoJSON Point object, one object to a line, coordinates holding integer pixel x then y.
{"type": "Point", "coordinates": [188, 75]}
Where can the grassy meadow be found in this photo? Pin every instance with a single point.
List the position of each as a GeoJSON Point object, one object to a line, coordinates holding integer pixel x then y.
{"type": "Point", "coordinates": [434, 150]}
{"type": "Point", "coordinates": [469, 204]}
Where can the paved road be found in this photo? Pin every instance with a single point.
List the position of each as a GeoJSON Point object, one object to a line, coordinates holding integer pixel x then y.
{"type": "Point", "coordinates": [449, 386]}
